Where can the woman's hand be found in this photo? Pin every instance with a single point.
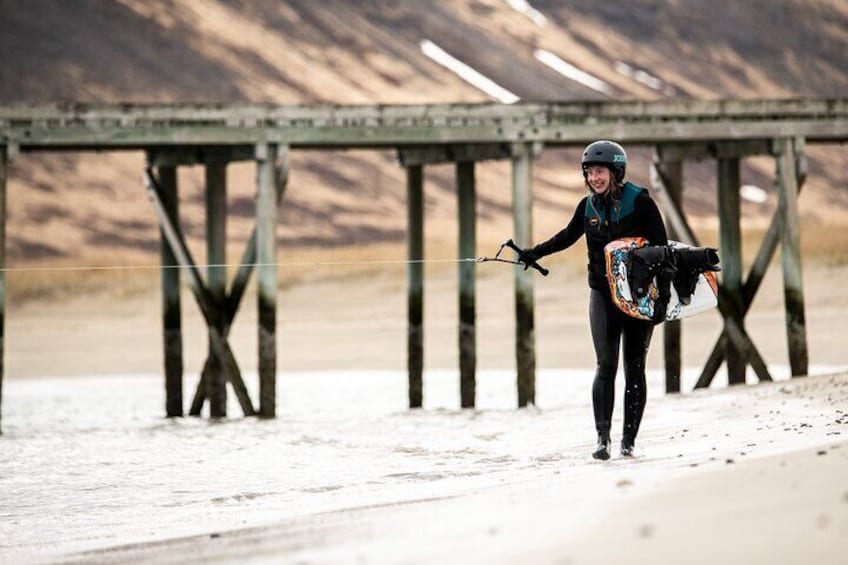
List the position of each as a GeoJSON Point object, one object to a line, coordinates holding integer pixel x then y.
{"type": "Point", "coordinates": [528, 257]}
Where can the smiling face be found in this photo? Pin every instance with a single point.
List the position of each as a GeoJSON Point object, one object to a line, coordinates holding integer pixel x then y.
{"type": "Point", "coordinates": [598, 177]}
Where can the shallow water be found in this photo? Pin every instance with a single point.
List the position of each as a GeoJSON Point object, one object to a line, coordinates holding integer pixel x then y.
{"type": "Point", "coordinates": [91, 462]}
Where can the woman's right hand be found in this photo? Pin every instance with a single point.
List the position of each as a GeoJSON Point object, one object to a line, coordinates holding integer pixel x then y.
{"type": "Point", "coordinates": [528, 257]}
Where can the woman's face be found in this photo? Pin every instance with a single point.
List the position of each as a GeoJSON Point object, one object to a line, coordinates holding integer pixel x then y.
{"type": "Point", "coordinates": [599, 178]}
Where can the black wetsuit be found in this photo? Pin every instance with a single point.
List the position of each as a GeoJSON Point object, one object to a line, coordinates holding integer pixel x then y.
{"type": "Point", "coordinates": [634, 215]}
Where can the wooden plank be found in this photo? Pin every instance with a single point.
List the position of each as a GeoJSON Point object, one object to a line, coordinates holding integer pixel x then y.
{"type": "Point", "coordinates": [171, 308]}
{"type": "Point", "coordinates": [525, 324]}
{"type": "Point", "coordinates": [266, 256]}
{"type": "Point", "coordinates": [790, 245]}
{"type": "Point", "coordinates": [433, 154]}
{"type": "Point", "coordinates": [125, 126]}
{"type": "Point", "coordinates": [298, 137]}
{"type": "Point", "coordinates": [713, 150]}
{"type": "Point", "coordinates": [216, 280]}
{"type": "Point", "coordinates": [200, 155]}
{"type": "Point", "coordinates": [673, 174]}
{"type": "Point", "coordinates": [467, 279]}
{"type": "Point", "coordinates": [326, 115]}
{"type": "Point", "coordinates": [730, 248]}
{"type": "Point", "coordinates": [415, 282]}
{"type": "Point", "coordinates": [178, 246]}
{"type": "Point", "coordinates": [3, 176]}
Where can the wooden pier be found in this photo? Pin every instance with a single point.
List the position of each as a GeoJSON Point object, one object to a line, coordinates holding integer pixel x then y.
{"type": "Point", "coordinates": [216, 135]}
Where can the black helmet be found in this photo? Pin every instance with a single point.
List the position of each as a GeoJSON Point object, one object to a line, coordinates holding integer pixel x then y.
{"type": "Point", "coordinates": [607, 153]}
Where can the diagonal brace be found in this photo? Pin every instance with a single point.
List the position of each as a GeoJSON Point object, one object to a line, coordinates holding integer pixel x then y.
{"type": "Point", "coordinates": [231, 305]}
{"type": "Point", "coordinates": [733, 332]}
{"type": "Point", "coordinates": [233, 299]}
{"type": "Point", "coordinates": [218, 340]}
{"type": "Point", "coordinates": [752, 283]}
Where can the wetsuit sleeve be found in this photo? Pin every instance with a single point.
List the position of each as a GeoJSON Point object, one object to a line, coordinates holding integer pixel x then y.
{"type": "Point", "coordinates": [654, 228]}
{"type": "Point", "coordinates": [565, 238]}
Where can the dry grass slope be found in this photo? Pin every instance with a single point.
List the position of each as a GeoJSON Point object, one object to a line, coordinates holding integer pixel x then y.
{"type": "Point", "coordinates": [75, 209]}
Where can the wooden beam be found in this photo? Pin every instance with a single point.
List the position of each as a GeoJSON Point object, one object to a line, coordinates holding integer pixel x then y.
{"type": "Point", "coordinates": [242, 277]}
{"type": "Point", "coordinates": [673, 175]}
{"type": "Point", "coordinates": [239, 116]}
{"type": "Point", "coordinates": [525, 324]}
{"type": "Point", "coordinates": [210, 314]}
{"type": "Point", "coordinates": [240, 281]}
{"type": "Point", "coordinates": [216, 279]}
{"type": "Point", "coordinates": [266, 256]}
{"type": "Point", "coordinates": [171, 308]}
{"type": "Point", "coordinates": [714, 362]}
{"type": "Point", "coordinates": [732, 303]}
{"type": "Point", "coordinates": [199, 155]}
{"type": "Point", "coordinates": [3, 177]}
{"type": "Point", "coordinates": [126, 126]}
{"type": "Point", "coordinates": [755, 276]}
{"type": "Point", "coordinates": [467, 270]}
{"type": "Point", "coordinates": [229, 310]}
{"type": "Point", "coordinates": [87, 127]}
{"type": "Point", "coordinates": [730, 248]}
{"type": "Point", "coordinates": [746, 348]}
{"type": "Point", "coordinates": [790, 245]}
{"type": "Point", "coordinates": [738, 337]}
{"type": "Point", "coordinates": [457, 153]}
{"type": "Point", "coordinates": [85, 139]}
{"type": "Point", "coordinates": [701, 150]}
{"type": "Point", "coordinates": [733, 336]}
{"type": "Point", "coordinates": [415, 281]}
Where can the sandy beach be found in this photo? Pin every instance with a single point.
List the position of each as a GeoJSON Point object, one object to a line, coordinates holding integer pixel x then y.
{"type": "Point", "coordinates": [746, 475]}
{"type": "Point", "coordinates": [92, 472]}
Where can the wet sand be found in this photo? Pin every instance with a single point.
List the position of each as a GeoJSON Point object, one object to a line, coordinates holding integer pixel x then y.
{"type": "Point", "coordinates": [751, 474]}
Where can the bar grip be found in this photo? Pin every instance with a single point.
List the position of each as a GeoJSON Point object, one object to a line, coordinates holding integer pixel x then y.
{"type": "Point", "coordinates": [511, 244]}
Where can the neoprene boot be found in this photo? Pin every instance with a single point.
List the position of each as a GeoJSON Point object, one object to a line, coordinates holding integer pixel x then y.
{"type": "Point", "coordinates": [627, 446]}
{"type": "Point", "coordinates": [602, 452]}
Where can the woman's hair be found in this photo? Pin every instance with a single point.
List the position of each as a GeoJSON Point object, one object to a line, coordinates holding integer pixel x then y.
{"type": "Point", "coordinates": [613, 193]}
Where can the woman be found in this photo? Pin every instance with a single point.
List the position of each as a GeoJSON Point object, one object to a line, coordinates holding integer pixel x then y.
{"type": "Point", "coordinates": [612, 210]}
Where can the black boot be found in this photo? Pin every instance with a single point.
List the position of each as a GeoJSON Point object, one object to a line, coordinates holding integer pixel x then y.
{"type": "Point", "coordinates": [603, 450]}
{"type": "Point", "coordinates": [627, 446]}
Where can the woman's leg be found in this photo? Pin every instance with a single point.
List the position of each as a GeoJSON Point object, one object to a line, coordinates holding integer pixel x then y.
{"type": "Point", "coordinates": [637, 339]}
{"type": "Point", "coordinates": [605, 323]}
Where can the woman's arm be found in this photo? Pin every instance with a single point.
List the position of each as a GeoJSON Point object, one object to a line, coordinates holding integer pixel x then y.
{"type": "Point", "coordinates": [565, 238]}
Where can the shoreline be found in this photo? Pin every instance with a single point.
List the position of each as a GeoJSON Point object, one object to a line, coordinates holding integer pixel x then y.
{"type": "Point", "coordinates": [656, 507]}
{"type": "Point", "coordinates": [327, 482]}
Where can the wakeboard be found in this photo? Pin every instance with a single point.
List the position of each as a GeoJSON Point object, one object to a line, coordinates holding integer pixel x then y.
{"type": "Point", "coordinates": [677, 287]}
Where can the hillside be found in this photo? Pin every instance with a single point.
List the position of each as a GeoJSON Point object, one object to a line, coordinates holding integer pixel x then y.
{"type": "Point", "coordinates": [66, 206]}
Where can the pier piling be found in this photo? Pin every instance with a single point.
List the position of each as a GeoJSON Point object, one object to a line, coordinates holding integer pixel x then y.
{"type": "Point", "coordinates": [467, 281]}
{"type": "Point", "coordinates": [525, 333]}
{"type": "Point", "coordinates": [415, 283]}
{"type": "Point", "coordinates": [171, 307]}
